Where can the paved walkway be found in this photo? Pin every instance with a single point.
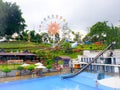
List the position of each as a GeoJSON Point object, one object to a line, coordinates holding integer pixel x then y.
{"type": "Point", "coordinates": [65, 71]}
{"type": "Point", "coordinates": [14, 78]}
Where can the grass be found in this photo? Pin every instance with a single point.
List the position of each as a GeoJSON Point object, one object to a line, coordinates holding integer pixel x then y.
{"type": "Point", "coordinates": [18, 46]}
{"type": "Point", "coordinates": [10, 66]}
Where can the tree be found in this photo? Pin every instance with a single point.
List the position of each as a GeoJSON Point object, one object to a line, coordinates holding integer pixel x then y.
{"type": "Point", "coordinates": [35, 37]}
{"type": "Point", "coordinates": [67, 47]}
{"type": "Point", "coordinates": [30, 36]}
{"type": "Point", "coordinates": [98, 32]}
{"type": "Point", "coordinates": [49, 67]}
{"type": "Point", "coordinates": [49, 63]}
{"type": "Point", "coordinates": [2, 18]}
{"type": "Point", "coordinates": [23, 36]}
{"type": "Point", "coordinates": [38, 38]}
{"type": "Point", "coordinates": [6, 70]}
{"type": "Point", "coordinates": [102, 32]}
{"type": "Point", "coordinates": [31, 67]}
{"type": "Point", "coordinates": [12, 20]}
{"type": "Point", "coordinates": [20, 68]}
{"type": "Point", "coordinates": [114, 35]}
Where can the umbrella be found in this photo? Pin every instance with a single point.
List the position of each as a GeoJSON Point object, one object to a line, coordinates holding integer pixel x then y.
{"type": "Point", "coordinates": [24, 65]}
{"type": "Point", "coordinates": [113, 82]}
{"type": "Point", "coordinates": [40, 66]}
{"type": "Point", "coordinates": [39, 63]}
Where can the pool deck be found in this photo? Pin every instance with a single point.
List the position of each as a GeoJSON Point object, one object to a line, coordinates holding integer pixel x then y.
{"type": "Point", "coordinates": [65, 71]}
{"type": "Point", "coordinates": [8, 79]}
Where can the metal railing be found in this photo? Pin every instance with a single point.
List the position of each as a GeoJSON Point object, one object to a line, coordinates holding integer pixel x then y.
{"type": "Point", "coordinates": [82, 69]}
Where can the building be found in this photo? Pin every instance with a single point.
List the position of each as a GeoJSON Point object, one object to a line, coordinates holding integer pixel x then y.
{"type": "Point", "coordinates": [63, 60]}
{"type": "Point", "coordinates": [109, 61]}
{"type": "Point", "coordinates": [16, 57]}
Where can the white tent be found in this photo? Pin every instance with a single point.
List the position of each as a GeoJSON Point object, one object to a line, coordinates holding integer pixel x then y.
{"type": "Point", "coordinates": [40, 67]}
{"type": "Point", "coordinates": [113, 82]}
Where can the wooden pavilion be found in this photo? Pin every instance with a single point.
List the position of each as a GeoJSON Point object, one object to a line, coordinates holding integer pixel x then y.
{"type": "Point", "coordinates": [16, 57]}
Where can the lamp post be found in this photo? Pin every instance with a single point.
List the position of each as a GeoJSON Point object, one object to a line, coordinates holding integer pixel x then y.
{"type": "Point", "coordinates": [71, 67]}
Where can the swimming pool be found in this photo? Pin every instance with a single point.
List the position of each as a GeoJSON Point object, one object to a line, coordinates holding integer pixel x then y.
{"type": "Point", "coordinates": [84, 81]}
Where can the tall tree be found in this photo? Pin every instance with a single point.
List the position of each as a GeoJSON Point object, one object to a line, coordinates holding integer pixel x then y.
{"type": "Point", "coordinates": [35, 37]}
{"type": "Point", "coordinates": [102, 32]}
{"type": "Point", "coordinates": [24, 36]}
{"type": "Point", "coordinates": [38, 38]}
{"type": "Point", "coordinates": [30, 36]}
{"type": "Point", "coordinates": [98, 32]}
{"type": "Point", "coordinates": [114, 35]}
{"type": "Point", "coordinates": [12, 20]}
{"type": "Point", "coordinates": [2, 18]}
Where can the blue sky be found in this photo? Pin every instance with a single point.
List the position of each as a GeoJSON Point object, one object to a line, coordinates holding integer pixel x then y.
{"type": "Point", "coordinates": [79, 14]}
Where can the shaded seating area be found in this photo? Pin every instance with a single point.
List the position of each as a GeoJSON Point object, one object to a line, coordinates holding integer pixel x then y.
{"type": "Point", "coordinates": [16, 57]}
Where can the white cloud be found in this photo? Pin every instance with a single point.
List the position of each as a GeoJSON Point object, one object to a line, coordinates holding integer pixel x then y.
{"type": "Point", "coordinates": [80, 14]}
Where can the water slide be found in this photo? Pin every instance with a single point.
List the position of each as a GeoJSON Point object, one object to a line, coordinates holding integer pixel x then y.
{"type": "Point", "coordinates": [83, 68]}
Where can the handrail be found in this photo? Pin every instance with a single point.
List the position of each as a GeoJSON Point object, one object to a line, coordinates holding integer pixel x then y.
{"type": "Point", "coordinates": [74, 74]}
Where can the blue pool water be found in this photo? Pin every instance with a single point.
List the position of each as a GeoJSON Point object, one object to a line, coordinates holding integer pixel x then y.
{"type": "Point", "coordinates": [84, 81]}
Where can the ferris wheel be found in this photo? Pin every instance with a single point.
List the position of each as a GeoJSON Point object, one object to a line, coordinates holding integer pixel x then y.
{"type": "Point", "coordinates": [54, 26]}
